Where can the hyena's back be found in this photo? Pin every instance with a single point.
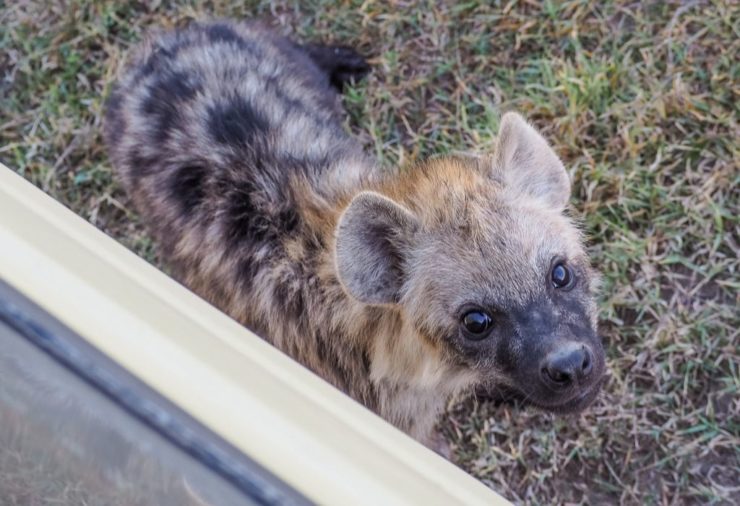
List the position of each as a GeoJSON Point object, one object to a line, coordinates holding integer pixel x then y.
{"type": "Point", "coordinates": [209, 127]}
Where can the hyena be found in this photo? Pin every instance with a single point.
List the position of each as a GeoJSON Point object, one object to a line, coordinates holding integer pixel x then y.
{"type": "Point", "coordinates": [400, 287]}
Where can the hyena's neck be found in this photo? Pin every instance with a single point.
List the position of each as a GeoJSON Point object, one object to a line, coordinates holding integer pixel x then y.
{"type": "Point", "coordinates": [380, 361]}
{"type": "Point", "coordinates": [370, 352]}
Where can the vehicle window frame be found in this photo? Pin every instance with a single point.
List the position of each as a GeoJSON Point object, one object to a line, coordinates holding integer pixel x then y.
{"type": "Point", "coordinates": [141, 402]}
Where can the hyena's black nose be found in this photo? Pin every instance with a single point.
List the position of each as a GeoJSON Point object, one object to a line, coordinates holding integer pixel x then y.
{"type": "Point", "coordinates": [571, 362]}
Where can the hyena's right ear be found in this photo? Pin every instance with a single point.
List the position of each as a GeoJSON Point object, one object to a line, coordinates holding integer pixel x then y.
{"type": "Point", "coordinates": [527, 166]}
{"type": "Point", "coordinates": [372, 239]}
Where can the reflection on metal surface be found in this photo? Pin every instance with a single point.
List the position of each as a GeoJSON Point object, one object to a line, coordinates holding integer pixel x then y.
{"type": "Point", "coordinates": [62, 441]}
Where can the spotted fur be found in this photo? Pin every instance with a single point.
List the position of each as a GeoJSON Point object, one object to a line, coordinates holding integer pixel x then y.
{"type": "Point", "coordinates": [229, 140]}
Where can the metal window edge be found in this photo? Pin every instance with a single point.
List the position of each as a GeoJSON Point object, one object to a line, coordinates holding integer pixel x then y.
{"type": "Point", "coordinates": [140, 402]}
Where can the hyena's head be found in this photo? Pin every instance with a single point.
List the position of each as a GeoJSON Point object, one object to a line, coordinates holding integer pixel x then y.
{"type": "Point", "coordinates": [485, 269]}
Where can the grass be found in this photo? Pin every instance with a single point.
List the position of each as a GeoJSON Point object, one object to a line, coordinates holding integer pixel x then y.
{"type": "Point", "coordinates": [641, 100]}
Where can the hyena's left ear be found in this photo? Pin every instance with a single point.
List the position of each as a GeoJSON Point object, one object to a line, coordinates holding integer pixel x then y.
{"type": "Point", "coordinates": [527, 166]}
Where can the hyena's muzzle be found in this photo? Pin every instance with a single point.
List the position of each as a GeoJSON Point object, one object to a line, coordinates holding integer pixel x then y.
{"type": "Point", "coordinates": [554, 358]}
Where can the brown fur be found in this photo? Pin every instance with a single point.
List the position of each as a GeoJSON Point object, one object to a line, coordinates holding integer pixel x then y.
{"type": "Point", "coordinates": [230, 143]}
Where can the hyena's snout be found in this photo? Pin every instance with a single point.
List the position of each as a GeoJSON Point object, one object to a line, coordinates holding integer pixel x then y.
{"type": "Point", "coordinates": [570, 365]}
{"type": "Point", "coordinates": [555, 359]}
{"type": "Point", "coordinates": [570, 375]}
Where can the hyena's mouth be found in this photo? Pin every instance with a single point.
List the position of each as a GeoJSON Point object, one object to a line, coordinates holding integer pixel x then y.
{"type": "Point", "coordinates": [580, 402]}
{"type": "Point", "coordinates": [573, 404]}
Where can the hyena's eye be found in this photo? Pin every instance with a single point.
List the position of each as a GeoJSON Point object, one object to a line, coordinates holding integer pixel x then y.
{"type": "Point", "coordinates": [561, 275]}
{"type": "Point", "coordinates": [477, 324]}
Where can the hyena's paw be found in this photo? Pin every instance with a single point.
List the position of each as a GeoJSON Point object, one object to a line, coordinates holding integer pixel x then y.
{"type": "Point", "coordinates": [342, 64]}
